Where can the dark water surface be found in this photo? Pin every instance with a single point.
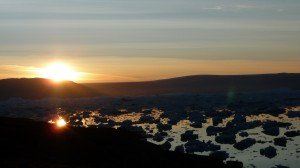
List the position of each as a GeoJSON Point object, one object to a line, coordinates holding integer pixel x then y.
{"type": "Point", "coordinates": [194, 123]}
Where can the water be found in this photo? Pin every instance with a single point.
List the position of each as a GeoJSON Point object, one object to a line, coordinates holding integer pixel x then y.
{"type": "Point", "coordinates": [173, 115]}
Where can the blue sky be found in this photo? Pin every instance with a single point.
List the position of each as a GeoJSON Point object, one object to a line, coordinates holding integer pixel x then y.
{"type": "Point", "coordinates": [83, 32]}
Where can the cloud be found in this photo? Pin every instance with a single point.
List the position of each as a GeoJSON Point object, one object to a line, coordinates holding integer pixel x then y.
{"type": "Point", "coordinates": [214, 8]}
{"type": "Point", "coordinates": [280, 10]}
{"type": "Point", "coordinates": [231, 8]}
{"type": "Point", "coordinates": [245, 6]}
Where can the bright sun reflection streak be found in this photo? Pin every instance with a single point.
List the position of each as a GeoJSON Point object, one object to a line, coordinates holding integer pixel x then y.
{"type": "Point", "coordinates": [61, 122]}
{"type": "Point", "coordinates": [58, 72]}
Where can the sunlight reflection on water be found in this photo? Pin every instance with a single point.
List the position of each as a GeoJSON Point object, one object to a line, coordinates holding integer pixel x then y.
{"type": "Point", "coordinates": [168, 117]}
{"type": "Point", "coordinates": [149, 126]}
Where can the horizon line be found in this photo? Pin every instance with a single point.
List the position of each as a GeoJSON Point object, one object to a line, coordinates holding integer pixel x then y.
{"type": "Point", "coordinates": [161, 79]}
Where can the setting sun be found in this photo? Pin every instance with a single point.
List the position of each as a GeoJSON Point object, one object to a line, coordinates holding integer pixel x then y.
{"type": "Point", "coordinates": [58, 72]}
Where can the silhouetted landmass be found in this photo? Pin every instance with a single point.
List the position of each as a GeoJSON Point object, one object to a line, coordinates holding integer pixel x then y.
{"type": "Point", "coordinates": [201, 84]}
{"type": "Point", "coordinates": [26, 143]}
{"type": "Point", "coordinates": [40, 88]}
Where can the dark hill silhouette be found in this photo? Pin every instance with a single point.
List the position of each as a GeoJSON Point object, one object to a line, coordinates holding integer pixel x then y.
{"type": "Point", "coordinates": [25, 143]}
{"type": "Point", "coordinates": [201, 84]}
{"type": "Point", "coordinates": [39, 88]}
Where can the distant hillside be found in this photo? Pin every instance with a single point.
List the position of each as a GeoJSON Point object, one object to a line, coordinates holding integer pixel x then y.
{"type": "Point", "coordinates": [39, 88]}
{"type": "Point", "coordinates": [201, 84]}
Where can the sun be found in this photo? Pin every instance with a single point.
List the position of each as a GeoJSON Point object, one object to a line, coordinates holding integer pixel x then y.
{"type": "Point", "coordinates": [58, 72]}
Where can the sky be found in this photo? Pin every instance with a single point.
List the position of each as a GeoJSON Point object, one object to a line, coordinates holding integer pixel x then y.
{"type": "Point", "coordinates": [139, 40]}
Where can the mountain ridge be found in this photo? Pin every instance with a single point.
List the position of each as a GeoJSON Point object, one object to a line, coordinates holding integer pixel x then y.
{"type": "Point", "coordinates": [201, 84]}
{"type": "Point", "coordinates": [35, 88]}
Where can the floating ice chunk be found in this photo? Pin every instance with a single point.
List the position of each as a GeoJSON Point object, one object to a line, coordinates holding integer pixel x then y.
{"type": "Point", "coordinates": [292, 133]}
{"type": "Point", "coordinates": [293, 114]}
{"type": "Point", "coordinates": [166, 146]}
{"type": "Point", "coordinates": [198, 146]}
{"type": "Point", "coordinates": [244, 144]}
{"type": "Point", "coordinates": [188, 136]}
{"type": "Point", "coordinates": [158, 137]}
{"type": "Point", "coordinates": [269, 152]}
{"type": "Point", "coordinates": [226, 139]}
{"type": "Point", "coordinates": [280, 141]}
{"type": "Point", "coordinates": [244, 134]}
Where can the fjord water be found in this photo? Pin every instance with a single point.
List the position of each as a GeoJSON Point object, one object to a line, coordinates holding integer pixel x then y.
{"type": "Point", "coordinates": [196, 122]}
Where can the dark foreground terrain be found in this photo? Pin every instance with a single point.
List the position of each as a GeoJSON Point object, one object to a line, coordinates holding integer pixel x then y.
{"type": "Point", "coordinates": [26, 143]}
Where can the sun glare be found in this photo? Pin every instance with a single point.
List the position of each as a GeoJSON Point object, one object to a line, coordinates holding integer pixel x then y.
{"type": "Point", "coordinates": [61, 122]}
{"type": "Point", "coordinates": [58, 72]}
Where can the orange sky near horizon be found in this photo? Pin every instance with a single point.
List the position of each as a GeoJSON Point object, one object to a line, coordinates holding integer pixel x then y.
{"type": "Point", "coordinates": [113, 69]}
{"type": "Point", "coordinates": [141, 40]}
